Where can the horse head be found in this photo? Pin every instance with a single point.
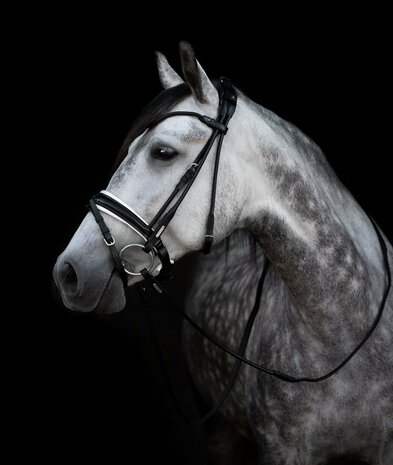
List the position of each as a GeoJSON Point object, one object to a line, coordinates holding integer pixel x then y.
{"type": "Point", "coordinates": [161, 153]}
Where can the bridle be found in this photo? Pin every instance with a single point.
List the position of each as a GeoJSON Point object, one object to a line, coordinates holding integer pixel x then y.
{"type": "Point", "coordinates": [151, 232]}
{"type": "Point", "coordinates": [153, 245]}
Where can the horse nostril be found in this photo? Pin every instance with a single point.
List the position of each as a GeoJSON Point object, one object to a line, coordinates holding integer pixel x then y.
{"type": "Point", "coordinates": [69, 278]}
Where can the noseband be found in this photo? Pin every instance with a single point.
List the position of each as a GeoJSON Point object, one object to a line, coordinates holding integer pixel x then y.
{"type": "Point", "coordinates": [151, 232]}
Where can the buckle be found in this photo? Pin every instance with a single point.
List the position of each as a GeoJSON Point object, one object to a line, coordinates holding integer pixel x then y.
{"type": "Point", "coordinates": [110, 244]}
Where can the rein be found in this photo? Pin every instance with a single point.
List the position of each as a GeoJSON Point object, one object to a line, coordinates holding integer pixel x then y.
{"type": "Point", "coordinates": [239, 354]}
{"type": "Point", "coordinates": [107, 203]}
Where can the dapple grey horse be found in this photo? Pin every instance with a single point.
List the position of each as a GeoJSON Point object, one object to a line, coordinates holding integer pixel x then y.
{"type": "Point", "coordinates": [321, 295]}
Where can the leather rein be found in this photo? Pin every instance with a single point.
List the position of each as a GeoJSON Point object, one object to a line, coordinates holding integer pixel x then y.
{"type": "Point", "coordinates": [107, 203]}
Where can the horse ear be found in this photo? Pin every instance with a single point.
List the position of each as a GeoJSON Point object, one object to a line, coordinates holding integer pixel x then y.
{"type": "Point", "coordinates": [168, 76]}
{"type": "Point", "coordinates": [201, 86]}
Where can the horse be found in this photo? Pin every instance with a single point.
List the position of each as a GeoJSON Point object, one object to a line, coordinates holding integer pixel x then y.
{"type": "Point", "coordinates": [326, 287]}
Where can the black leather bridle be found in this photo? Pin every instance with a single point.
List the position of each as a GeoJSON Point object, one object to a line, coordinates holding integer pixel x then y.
{"type": "Point", "coordinates": [151, 232]}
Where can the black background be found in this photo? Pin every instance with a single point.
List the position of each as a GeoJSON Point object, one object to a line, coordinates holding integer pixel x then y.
{"type": "Point", "coordinates": [96, 380]}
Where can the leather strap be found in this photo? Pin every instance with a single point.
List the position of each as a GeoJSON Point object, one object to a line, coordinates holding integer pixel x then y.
{"type": "Point", "coordinates": [242, 347]}
{"type": "Point", "coordinates": [215, 124]}
{"type": "Point", "coordinates": [228, 100]}
{"type": "Point", "coordinates": [239, 355]}
{"type": "Point", "coordinates": [109, 241]}
{"type": "Point", "coordinates": [122, 212]}
{"type": "Point", "coordinates": [136, 222]}
{"type": "Point", "coordinates": [292, 379]}
{"type": "Point", "coordinates": [227, 106]}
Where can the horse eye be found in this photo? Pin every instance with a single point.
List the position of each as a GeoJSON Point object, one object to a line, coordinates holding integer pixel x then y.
{"type": "Point", "coordinates": [164, 153]}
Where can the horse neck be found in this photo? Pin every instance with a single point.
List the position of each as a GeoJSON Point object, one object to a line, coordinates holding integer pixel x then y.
{"type": "Point", "coordinates": [311, 228]}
